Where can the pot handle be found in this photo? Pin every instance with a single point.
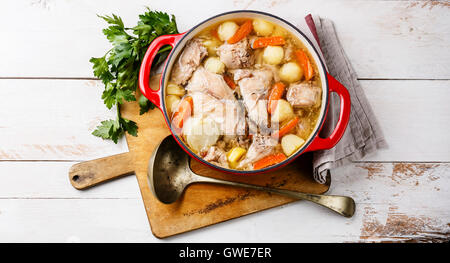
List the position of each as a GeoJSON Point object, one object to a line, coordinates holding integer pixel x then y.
{"type": "Point", "coordinates": [144, 73]}
{"type": "Point", "coordinates": [344, 116]}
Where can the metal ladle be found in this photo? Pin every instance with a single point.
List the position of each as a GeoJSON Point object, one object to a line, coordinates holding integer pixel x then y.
{"type": "Point", "coordinates": [169, 173]}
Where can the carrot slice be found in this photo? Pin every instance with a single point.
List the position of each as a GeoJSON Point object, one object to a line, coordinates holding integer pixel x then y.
{"type": "Point", "coordinates": [183, 112]}
{"type": "Point", "coordinates": [275, 94]}
{"type": "Point", "coordinates": [269, 160]}
{"type": "Point", "coordinates": [229, 81]}
{"type": "Point", "coordinates": [306, 64]}
{"type": "Point", "coordinates": [242, 32]}
{"type": "Point", "coordinates": [268, 41]}
{"type": "Point", "coordinates": [286, 128]}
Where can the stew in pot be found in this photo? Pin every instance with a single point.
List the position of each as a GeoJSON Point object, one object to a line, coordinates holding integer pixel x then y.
{"type": "Point", "coordinates": [244, 94]}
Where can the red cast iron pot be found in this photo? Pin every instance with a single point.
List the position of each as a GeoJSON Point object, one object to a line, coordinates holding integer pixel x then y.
{"type": "Point", "coordinates": [329, 85]}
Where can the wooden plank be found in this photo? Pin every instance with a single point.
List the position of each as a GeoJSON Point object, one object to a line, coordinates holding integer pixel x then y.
{"type": "Point", "coordinates": [384, 39]}
{"type": "Point", "coordinates": [123, 220]}
{"type": "Point", "coordinates": [73, 220]}
{"type": "Point", "coordinates": [49, 180]}
{"type": "Point", "coordinates": [395, 202]}
{"type": "Point", "coordinates": [414, 116]}
{"type": "Point", "coordinates": [398, 201]}
{"type": "Point", "coordinates": [55, 118]}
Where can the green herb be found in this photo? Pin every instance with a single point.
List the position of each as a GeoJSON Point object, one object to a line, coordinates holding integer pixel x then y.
{"type": "Point", "coordinates": [114, 129]}
{"type": "Point", "coordinates": [118, 69]}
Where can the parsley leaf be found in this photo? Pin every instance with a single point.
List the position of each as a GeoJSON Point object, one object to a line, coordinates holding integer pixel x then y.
{"type": "Point", "coordinates": [109, 97]}
{"type": "Point", "coordinates": [101, 69]}
{"type": "Point", "coordinates": [119, 68]}
{"type": "Point", "coordinates": [129, 126]}
{"type": "Point", "coordinates": [144, 105]}
{"type": "Point", "coordinates": [114, 20]}
{"type": "Point", "coordinates": [114, 129]}
{"type": "Point", "coordinates": [105, 129]}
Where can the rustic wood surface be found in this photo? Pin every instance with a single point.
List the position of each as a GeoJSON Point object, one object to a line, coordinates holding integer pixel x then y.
{"type": "Point", "coordinates": [51, 103]}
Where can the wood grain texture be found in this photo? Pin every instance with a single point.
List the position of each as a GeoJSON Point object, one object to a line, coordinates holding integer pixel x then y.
{"type": "Point", "coordinates": [48, 180]}
{"type": "Point", "coordinates": [411, 203]}
{"type": "Point", "coordinates": [384, 39]}
{"type": "Point", "coordinates": [402, 193]}
{"type": "Point", "coordinates": [87, 174]}
{"type": "Point", "coordinates": [414, 116]}
{"type": "Point", "coordinates": [396, 202]}
{"type": "Point", "coordinates": [53, 120]}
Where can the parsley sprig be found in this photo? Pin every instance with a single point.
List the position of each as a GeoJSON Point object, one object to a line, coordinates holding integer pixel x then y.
{"type": "Point", "coordinates": [118, 69]}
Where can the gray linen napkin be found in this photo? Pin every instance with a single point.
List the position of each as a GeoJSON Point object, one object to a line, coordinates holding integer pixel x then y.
{"type": "Point", "coordinates": [363, 134]}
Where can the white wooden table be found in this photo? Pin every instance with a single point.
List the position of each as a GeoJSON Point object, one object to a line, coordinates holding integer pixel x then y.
{"type": "Point", "coordinates": [50, 103]}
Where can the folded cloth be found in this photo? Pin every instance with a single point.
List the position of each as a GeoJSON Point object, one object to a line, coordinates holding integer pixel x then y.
{"type": "Point", "coordinates": [363, 134]}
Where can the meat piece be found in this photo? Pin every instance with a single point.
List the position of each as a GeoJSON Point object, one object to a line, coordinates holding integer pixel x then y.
{"type": "Point", "coordinates": [252, 127]}
{"type": "Point", "coordinates": [213, 97]}
{"type": "Point", "coordinates": [189, 60]}
{"type": "Point", "coordinates": [275, 71]}
{"type": "Point", "coordinates": [261, 146]}
{"type": "Point", "coordinates": [265, 76]}
{"type": "Point", "coordinates": [221, 144]}
{"type": "Point", "coordinates": [213, 84]}
{"type": "Point", "coordinates": [236, 141]}
{"type": "Point", "coordinates": [216, 156]}
{"type": "Point", "coordinates": [288, 52]}
{"type": "Point", "coordinates": [254, 91]}
{"type": "Point", "coordinates": [304, 95]}
{"type": "Point", "coordinates": [226, 113]}
{"type": "Point", "coordinates": [238, 55]}
{"type": "Point", "coordinates": [239, 74]}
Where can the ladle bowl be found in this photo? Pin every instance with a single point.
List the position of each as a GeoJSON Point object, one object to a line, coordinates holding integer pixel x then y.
{"type": "Point", "coordinates": [169, 173]}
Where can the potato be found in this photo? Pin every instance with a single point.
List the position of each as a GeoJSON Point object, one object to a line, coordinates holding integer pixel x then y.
{"type": "Point", "coordinates": [211, 45]}
{"type": "Point", "coordinates": [273, 55]}
{"type": "Point", "coordinates": [173, 89]}
{"type": "Point", "coordinates": [283, 111]}
{"type": "Point", "coordinates": [227, 30]}
{"type": "Point", "coordinates": [172, 102]}
{"type": "Point", "coordinates": [214, 65]}
{"type": "Point", "coordinates": [262, 27]}
{"type": "Point", "coordinates": [235, 155]}
{"type": "Point", "coordinates": [290, 143]}
{"type": "Point", "coordinates": [291, 72]}
{"type": "Point", "coordinates": [201, 132]}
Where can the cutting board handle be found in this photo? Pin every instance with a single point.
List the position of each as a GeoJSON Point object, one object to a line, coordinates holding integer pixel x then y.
{"type": "Point", "coordinates": [86, 174]}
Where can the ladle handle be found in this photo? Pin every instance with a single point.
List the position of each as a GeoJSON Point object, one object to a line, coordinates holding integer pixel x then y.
{"type": "Point", "coordinates": [86, 174]}
{"type": "Point", "coordinates": [343, 205]}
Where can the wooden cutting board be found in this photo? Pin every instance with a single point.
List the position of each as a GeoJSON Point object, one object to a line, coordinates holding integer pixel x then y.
{"type": "Point", "coordinates": [202, 204]}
